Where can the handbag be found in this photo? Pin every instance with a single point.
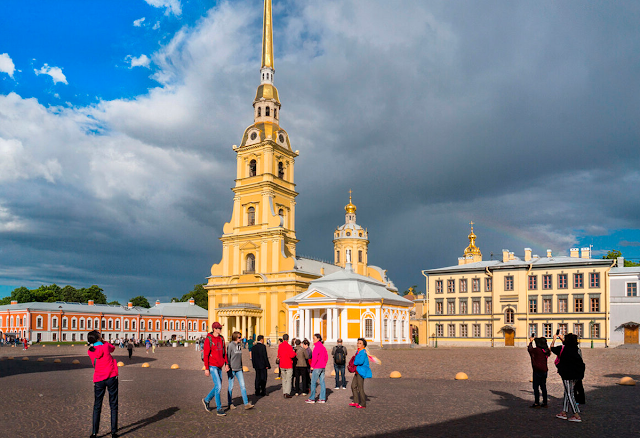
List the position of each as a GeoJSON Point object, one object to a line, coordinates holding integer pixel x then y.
{"type": "Point", "coordinates": [351, 367]}
{"type": "Point", "coordinates": [557, 361]}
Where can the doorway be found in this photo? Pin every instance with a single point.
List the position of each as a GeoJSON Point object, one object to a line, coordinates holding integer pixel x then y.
{"type": "Point", "coordinates": [509, 338]}
{"type": "Point", "coordinates": [323, 327]}
{"type": "Point", "coordinates": [631, 335]}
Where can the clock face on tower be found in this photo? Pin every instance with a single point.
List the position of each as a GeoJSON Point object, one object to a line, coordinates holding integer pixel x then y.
{"type": "Point", "coordinates": [253, 135]}
{"type": "Point", "coordinates": [281, 137]}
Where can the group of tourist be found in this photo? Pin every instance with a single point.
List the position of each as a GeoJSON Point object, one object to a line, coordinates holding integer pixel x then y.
{"type": "Point", "coordinates": [570, 368]}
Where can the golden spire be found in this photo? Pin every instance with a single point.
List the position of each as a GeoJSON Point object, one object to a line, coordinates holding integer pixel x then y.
{"type": "Point", "coordinates": [472, 249]}
{"type": "Point", "coordinates": [267, 36]}
{"type": "Point", "coordinates": [350, 208]}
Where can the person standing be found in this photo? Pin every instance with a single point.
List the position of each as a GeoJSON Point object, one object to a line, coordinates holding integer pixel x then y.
{"type": "Point", "coordinates": [105, 377]}
{"type": "Point", "coordinates": [260, 361]}
{"type": "Point", "coordinates": [318, 363]}
{"type": "Point", "coordinates": [339, 354]}
{"type": "Point", "coordinates": [130, 347]}
{"type": "Point", "coordinates": [571, 369]}
{"type": "Point", "coordinates": [285, 357]}
{"type": "Point", "coordinates": [147, 344]}
{"type": "Point", "coordinates": [300, 371]}
{"type": "Point", "coordinates": [539, 354]}
{"type": "Point", "coordinates": [363, 371]}
{"type": "Point", "coordinates": [234, 370]}
{"type": "Point", "coordinates": [215, 357]}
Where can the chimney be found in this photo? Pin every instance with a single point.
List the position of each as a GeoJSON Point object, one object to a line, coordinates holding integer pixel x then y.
{"type": "Point", "coordinates": [549, 253]}
{"type": "Point", "coordinates": [130, 305]}
{"type": "Point", "coordinates": [512, 256]}
{"type": "Point", "coordinates": [322, 271]}
{"type": "Point", "coordinates": [505, 255]}
{"type": "Point", "coordinates": [575, 252]}
{"type": "Point", "coordinates": [90, 302]}
{"type": "Point", "coordinates": [157, 302]}
{"type": "Point", "coordinates": [527, 254]}
{"type": "Point", "coordinates": [192, 302]}
{"type": "Point", "coordinates": [586, 253]}
{"type": "Point", "coordinates": [13, 302]}
{"type": "Point", "coordinates": [620, 263]}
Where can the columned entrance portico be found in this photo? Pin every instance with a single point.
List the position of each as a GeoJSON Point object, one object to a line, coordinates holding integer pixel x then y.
{"type": "Point", "coordinates": [243, 317]}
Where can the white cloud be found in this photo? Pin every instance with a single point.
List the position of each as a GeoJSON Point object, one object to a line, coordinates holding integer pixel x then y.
{"type": "Point", "coordinates": [55, 73]}
{"type": "Point", "coordinates": [156, 26]}
{"type": "Point", "coordinates": [140, 61]}
{"type": "Point", "coordinates": [138, 22]}
{"type": "Point", "coordinates": [172, 6]}
{"type": "Point", "coordinates": [6, 64]}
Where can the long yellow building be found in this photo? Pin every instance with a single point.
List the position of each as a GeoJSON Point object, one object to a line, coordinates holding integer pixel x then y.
{"type": "Point", "coordinates": [259, 268]}
{"type": "Point", "coordinates": [503, 302]}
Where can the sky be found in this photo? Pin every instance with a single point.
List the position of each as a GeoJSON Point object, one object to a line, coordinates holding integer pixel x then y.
{"type": "Point", "coordinates": [117, 120]}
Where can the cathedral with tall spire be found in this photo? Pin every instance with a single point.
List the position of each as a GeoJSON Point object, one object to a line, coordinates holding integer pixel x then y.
{"type": "Point", "coordinates": [259, 268]}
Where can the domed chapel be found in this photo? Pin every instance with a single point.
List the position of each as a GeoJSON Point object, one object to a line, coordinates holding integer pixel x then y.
{"type": "Point", "coordinates": [260, 286]}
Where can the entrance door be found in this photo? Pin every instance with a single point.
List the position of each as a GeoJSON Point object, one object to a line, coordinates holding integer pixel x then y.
{"type": "Point", "coordinates": [323, 327]}
{"type": "Point", "coordinates": [509, 336]}
{"type": "Point", "coordinates": [631, 335]}
{"type": "Point", "coordinates": [39, 337]}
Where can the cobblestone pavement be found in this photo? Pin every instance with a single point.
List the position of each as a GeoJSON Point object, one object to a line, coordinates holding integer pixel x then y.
{"type": "Point", "coordinates": [46, 399]}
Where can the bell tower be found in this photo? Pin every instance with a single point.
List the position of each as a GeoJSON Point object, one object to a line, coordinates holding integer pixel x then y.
{"type": "Point", "coordinates": [351, 241]}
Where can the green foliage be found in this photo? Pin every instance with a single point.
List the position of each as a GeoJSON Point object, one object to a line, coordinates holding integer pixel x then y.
{"type": "Point", "coordinates": [614, 254]}
{"type": "Point", "coordinates": [114, 303]}
{"type": "Point", "coordinates": [199, 294]}
{"type": "Point", "coordinates": [52, 293]}
{"type": "Point", "coordinates": [413, 289]}
{"type": "Point", "coordinates": [140, 301]}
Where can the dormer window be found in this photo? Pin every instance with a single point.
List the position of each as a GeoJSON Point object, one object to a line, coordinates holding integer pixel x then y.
{"type": "Point", "coordinates": [251, 216]}
{"type": "Point", "coordinates": [280, 170]}
{"type": "Point", "coordinates": [266, 111]}
{"type": "Point", "coordinates": [252, 168]}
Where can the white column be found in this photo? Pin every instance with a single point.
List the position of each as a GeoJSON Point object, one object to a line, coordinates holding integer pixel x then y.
{"type": "Point", "coordinates": [244, 326]}
{"type": "Point", "coordinates": [336, 332]}
{"type": "Point", "coordinates": [329, 313]}
{"type": "Point", "coordinates": [377, 326]}
{"type": "Point", "coordinates": [291, 323]}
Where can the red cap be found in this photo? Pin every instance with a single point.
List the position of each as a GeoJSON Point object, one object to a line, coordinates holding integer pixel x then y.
{"type": "Point", "coordinates": [216, 325]}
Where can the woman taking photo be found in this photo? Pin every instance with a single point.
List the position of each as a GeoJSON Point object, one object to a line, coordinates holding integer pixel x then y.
{"type": "Point", "coordinates": [571, 369]}
{"type": "Point", "coordinates": [363, 371]}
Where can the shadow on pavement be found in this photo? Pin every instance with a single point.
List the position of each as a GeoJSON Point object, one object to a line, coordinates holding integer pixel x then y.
{"type": "Point", "coordinates": [601, 417]}
{"type": "Point", "coordinates": [19, 366]}
{"type": "Point", "coordinates": [161, 415]}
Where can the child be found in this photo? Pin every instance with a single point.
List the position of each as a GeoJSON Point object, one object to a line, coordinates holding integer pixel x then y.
{"type": "Point", "coordinates": [105, 377]}
{"type": "Point", "coordinates": [539, 353]}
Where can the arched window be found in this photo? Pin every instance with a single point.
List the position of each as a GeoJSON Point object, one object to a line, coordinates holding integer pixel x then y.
{"type": "Point", "coordinates": [117, 324]}
{"type": "Point", "coordinates": [133, 325]}
{"type": "Point", "coordinates": [204, 326]}
{"type": "Point", "coordinates": [74, 323]}
{"type": "Point", "coordinates": [126, 324]}
{"type": "Point", "coordinates": [64, 323]}
{"type": "Point", "coordinates": [509, 316]}
{"type": "Point", "coordinates": [337, 256]}
{"type": "Point", "coordinates": [110, 324]}
{"type": "Point", "coordinates": [88, 324]}
{"type": "Point", "coordinates": [81, 324]}
{"type": "Point", "coordinates": [39, 322]}
{"type": "Point", "coordinates": [171, 325]}
{"type": "Point", "coordinates": [157, 325]}
{"type": "Point", "coordinates": [368, 328]}
{"type": "Point", "coordinates": [251, 264]}
{"type": "Point", "coordinates": [251, 216]}
{"type": "Point", "coordinates": [104, 322]}
{"type": "Point", "coordinates": [96, 324]}
{"type": "Point", "coordinates": [280, 170]}
{"type": "Point", "coordinates": [259, 112]}
{"type": "Point", "coordinates": [182, 326]}
{"type": "Point", "coordinates": [266, 111]}
{"type": "Point", "coordinates": [275, 112]}
{"type": "Point", "coordinates": [142, 324]}
{"type": "Point", "coordinates": [24, 321]}
{"type": "Point", "coordinates": [252, 168]}
{"type": "Point", "coordinates": [263, 76]}
{"type": "Point", "coordinates": [360, 256]}
{"type": "Point", "coordinates": [166, 325]}
{"type": "Point", "coordinates": [190, 326]}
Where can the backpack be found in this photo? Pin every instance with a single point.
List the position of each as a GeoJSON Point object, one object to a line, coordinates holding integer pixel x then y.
{"type": "Point", "coordinates": [351, 367]}
{"type": "Point", "coordinates": [338, 357]}
{"type": "Point", "coordinates": [202, 352]}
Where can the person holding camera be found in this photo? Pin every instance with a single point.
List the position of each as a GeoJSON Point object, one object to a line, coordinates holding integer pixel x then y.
{"type": "Point", "coordinates": [105, 378]}
{"type": "Point", "coordinates": [539, 352]}
{"type": "Point", "coordinates": [571, 369]}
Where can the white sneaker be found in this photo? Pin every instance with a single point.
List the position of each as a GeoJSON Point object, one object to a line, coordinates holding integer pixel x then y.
{"type": "Point", "coordinates": [337, 387]}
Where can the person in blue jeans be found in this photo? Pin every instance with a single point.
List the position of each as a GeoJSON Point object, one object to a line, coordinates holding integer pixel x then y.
{"type": "Point", "coordinates": [234, 370]}
{"type": "Point", "coordinates": [215, 357]}
{"type": "Point", "coordinates": [339, 354]}
{"type": "Point", "coordinates": [318, 363]}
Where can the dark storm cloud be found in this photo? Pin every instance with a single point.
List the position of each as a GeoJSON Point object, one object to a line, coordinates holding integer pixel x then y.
{"type": "Point", "coordinates": [519, 116]}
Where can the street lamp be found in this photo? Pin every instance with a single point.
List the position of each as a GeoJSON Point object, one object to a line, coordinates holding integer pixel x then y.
{"type": "Point", "coordinates": [435, 336]}
{"type": "Point", "coordinates": [591, 323]}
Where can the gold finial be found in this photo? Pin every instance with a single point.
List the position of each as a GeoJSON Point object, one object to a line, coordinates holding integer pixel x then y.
{"type": "Point", "coordinates": [267, 36]}
{"type": "Point", "coordinates": [350, 208]}
{"type": "Point", "coordinates": [472, 249]}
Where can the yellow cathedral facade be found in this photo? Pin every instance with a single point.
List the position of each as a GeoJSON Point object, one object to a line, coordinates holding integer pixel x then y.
{"type": "Point", "coordinates": [259, 269]}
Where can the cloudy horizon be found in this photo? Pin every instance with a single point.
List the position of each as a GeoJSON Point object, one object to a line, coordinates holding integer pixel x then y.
{"type": "Point", "coordinates": [116, 138]}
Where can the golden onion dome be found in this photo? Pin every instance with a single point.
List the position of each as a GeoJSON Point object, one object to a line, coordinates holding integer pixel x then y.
{"type": "Point", "coordinates": [268, 92]}
{"type": "Point", "coordinates": [472, 249]}
{"type": "Point", "coordinates": [350, 208]}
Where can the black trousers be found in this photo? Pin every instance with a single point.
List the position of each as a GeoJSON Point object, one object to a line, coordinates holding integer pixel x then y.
{"type": "Point", "coordinates": [110, 384]}
{"type": "Point", "coordinates": [130, 353]}
{"type": "Point", "coordinates": [301, 379]}
{"type": "Point", "coordinates": [540, 381]}
{"type": "Point", "coordinates": [261, 382]}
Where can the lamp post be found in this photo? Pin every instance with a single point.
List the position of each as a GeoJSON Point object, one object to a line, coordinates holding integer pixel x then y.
{"type": "Point", "coordinates": [435, 336]}
{"type": "Point", "coordinates": [277, 335]}
{"type": "Point", "coordinates": [591, 323]}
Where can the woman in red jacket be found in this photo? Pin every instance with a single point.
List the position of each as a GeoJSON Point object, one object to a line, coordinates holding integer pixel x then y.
{"type": "Point", "coordinates": [105, 377]}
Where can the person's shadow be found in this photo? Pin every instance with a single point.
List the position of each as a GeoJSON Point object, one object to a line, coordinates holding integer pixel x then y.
{"type": "Point", "coordinates": [161, 415]}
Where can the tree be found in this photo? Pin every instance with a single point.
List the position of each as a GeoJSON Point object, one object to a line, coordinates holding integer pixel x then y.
{"type": "Point", "coordinates": [614, 254]}
{"type": "Point", "coordinates": [114, 303]}
{"type": "Point", "coordinates": [71, 295]}
{"type": "Point", "coordinates": [140, 301]}
{"type": "Point", "coordinates": [22, 295]}
{"type": "Point", "coordinates": [199, 295]}
{"type": "Point", "coordinates": [413, 290]}
{"type": "Point", "coordinates": [93, 293]}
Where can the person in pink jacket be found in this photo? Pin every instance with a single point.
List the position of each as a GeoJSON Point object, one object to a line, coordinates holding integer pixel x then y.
{"type": "Point", "coordinates": [105, 377]}
{"type": "Point", "coordinates": [319, 360]}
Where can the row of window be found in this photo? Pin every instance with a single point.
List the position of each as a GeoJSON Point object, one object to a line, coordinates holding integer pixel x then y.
{"type": "Point", "coordinates": [20, 322]}
{"type": "Point", "coordinates": [253, 169]}
{"type": "Point", "coordinates": [251, 215]}
{"type": "Point", "coordinates": [463, 307]}
{"type": "Point", "coordinates": [360, 254]}
{"type": "Point", "coordinates": [563, 305]}
{"type": "Point", "coordinates": [107, 324]}
{"type": "Point", "coordinates": [547, 330]}
{"type": "Point", "coordinates": [267, 112]}
{"type": "Point", "coordinates": [81, 337]}
{"type": "Point", "coordinates": [547, 283]}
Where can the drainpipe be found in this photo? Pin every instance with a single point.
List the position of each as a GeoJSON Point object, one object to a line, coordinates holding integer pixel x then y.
{"type": "Point", "coordinates": [381, 316]}
{"type": "Point", "coordinates": [426, 301]}
{"type": "Point", "coordinates": [526, 304]}
{"type": "Point", "coordinates": [606, 304]}
{"type": "Point", "coordinates": [492, 304]}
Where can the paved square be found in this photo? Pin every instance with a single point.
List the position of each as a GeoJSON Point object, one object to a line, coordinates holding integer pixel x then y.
{"type": "Point", "coordinates": [46, 399]}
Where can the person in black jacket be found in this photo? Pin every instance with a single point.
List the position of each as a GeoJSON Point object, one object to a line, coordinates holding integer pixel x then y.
{"type": "Point", "coordinates": [539, 353]}
{"type": "Point", "coordinates": [571, 369]}
{"type": "Point", "coordinates": [260, 361]}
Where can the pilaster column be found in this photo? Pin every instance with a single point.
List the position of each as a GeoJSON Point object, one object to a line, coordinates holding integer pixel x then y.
{"type": "Point", "coordinates": [244, 326]}
{"type": "Point", "coordinates": [290, 314]}
{"type": "Point", "coordinates": [336, 332]}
